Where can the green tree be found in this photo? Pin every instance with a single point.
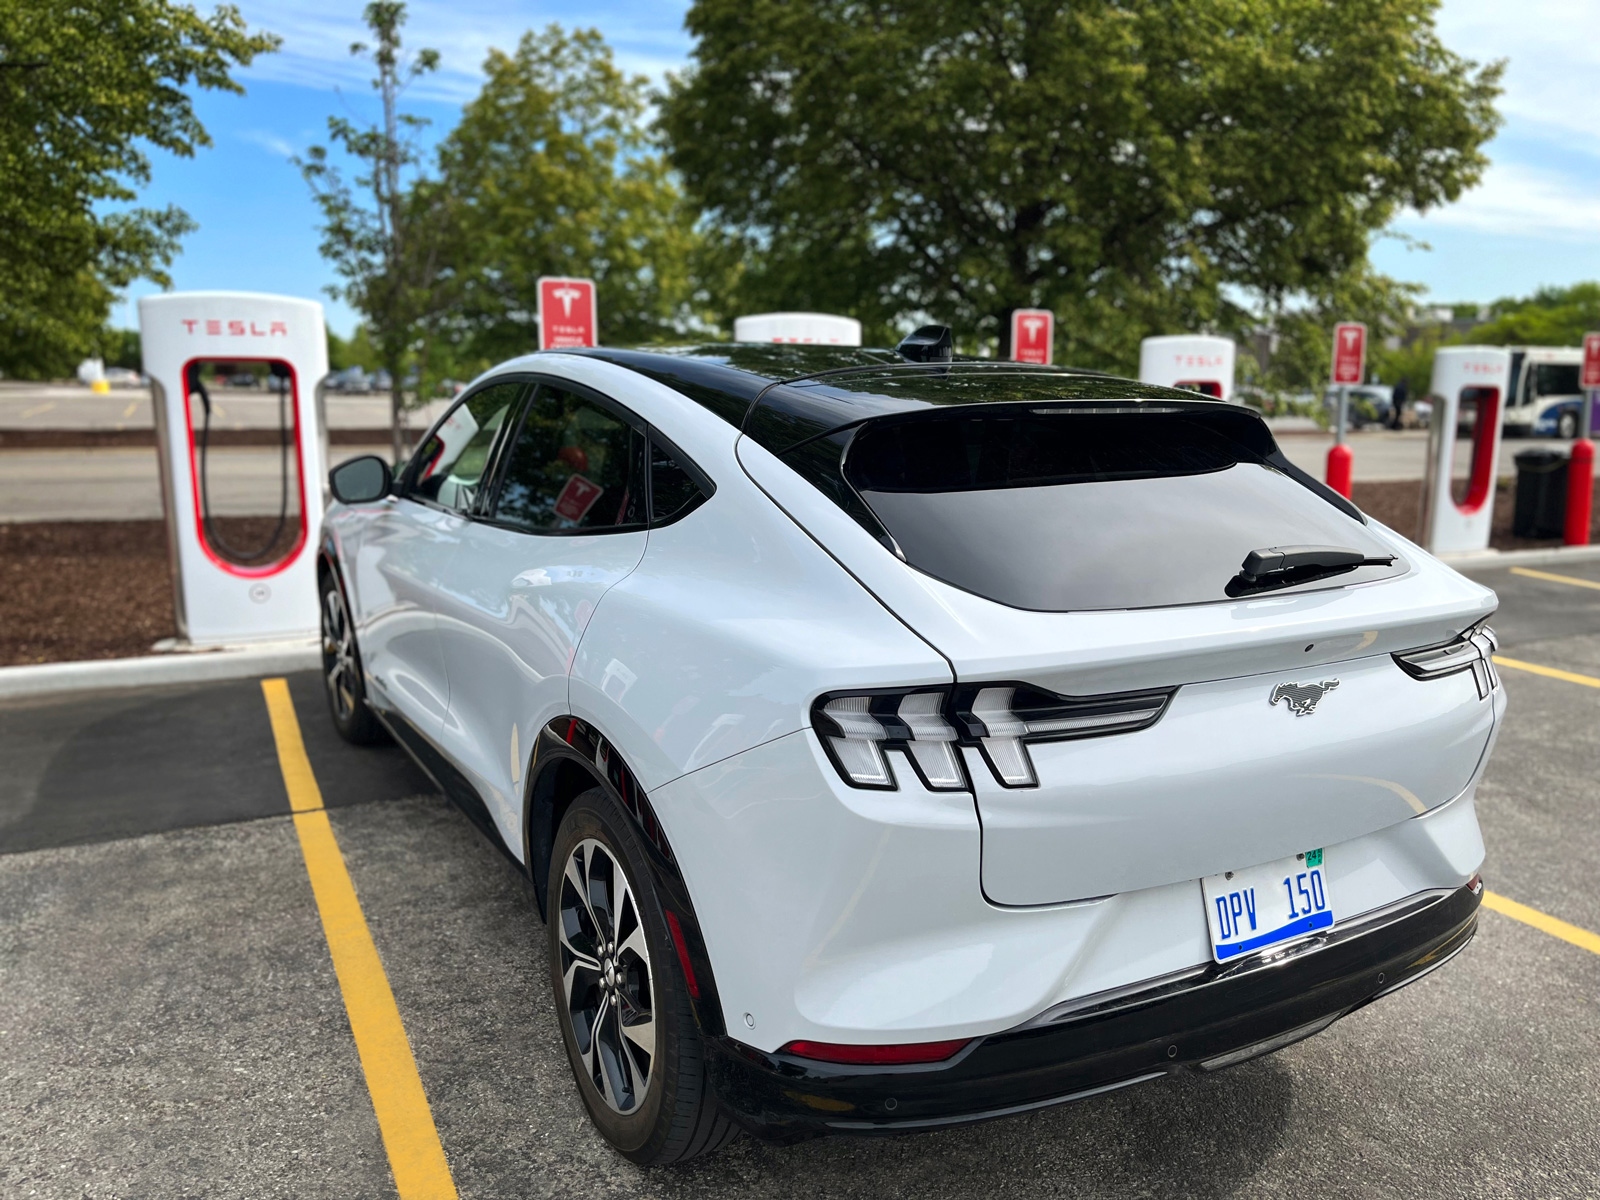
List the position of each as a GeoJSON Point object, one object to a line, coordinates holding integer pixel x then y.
{"type": "Point", "coordinates": [85, 87]}
{"type": "Point", "coordinates": [1126, 163]}
{"type": "Point", "coordinates": [355, 351]}
{"type": "Point", "coordinates": [1552, 316]}
{"type": "Point", "coordinates": [1299, 336]}
{"type": "Point", "coordinates": [381, 231]}
{"type": "Point", "coordinates": [550, 173]}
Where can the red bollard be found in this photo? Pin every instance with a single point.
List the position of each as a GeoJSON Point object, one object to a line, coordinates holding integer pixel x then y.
{"type": "Point", "coordinates": [1341, 465]}
{"type": "Point", "coordinates": [1580, 492]}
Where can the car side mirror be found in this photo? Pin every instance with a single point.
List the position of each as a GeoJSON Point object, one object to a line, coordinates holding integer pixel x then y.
{"type": "Point", "coordinates": [360, 480]}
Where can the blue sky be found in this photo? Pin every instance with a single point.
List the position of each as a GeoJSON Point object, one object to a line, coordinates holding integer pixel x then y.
{"type": "Point", "coordinates": [1534, 220]}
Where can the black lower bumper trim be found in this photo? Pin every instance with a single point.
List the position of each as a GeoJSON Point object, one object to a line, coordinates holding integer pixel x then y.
{"type": "Point", "coordinates": [1215, 1018]}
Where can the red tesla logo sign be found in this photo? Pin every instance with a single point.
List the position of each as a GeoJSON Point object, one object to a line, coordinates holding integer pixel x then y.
{"type": "Point", "coordinates": [1591, 360]}
{"type": "Point", "coordinates": [1349, 352]}
{"type": "Point", "coordinates": [216, 328]}
{"type": "Point", "coordinates": [1033, 335]}
{"type": "Point", "coordinates": [577, 498]}
{"type": "Point", "coordinates": [566, 313]}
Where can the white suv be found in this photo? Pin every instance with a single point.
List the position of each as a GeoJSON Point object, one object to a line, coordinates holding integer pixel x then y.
{"type": "Point", "coordinates": [896, 741]}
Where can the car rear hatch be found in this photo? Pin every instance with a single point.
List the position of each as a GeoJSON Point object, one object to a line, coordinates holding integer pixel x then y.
{"type": "Point", "coordinates": [1133, 708]}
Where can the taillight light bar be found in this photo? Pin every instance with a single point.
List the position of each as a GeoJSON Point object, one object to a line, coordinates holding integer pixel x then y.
{"type": "Point", "coordinates": [999, 719]}
{"type": "Point", "coordinates": [901, 1054]}
{"type": "Point", "coordinates": [858, 728]}
{"type": "Point", "coordinates": [1003, 718]}
{"type": "Point", "coordinates": [1473, 651]}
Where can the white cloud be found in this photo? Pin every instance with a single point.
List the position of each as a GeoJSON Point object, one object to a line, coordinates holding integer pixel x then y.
{"type": "Point", "coordinates": [1519, 201]}
{"type": "Point", "coordinates": [646, 39]}
{"type": "Point", "coordinates": [270, 141]}
{"type": "Point", "coordinates": [1554, 52]}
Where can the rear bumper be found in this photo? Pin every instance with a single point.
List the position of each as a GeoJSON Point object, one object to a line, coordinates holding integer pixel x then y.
{"type": "Point", "coordinates": [1204, 1020]}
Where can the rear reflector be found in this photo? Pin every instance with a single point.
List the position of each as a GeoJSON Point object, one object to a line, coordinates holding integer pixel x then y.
{"type": "Point", "coordinates": [876, 1056]}
{"type": "Point", "coordinates": [683, 954]}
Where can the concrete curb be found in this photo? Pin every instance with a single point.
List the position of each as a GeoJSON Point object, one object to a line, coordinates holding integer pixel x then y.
{"type": "Point", "coordinates": [231, 662]}
{"type": "Point", "coordinates": [1488, 560]}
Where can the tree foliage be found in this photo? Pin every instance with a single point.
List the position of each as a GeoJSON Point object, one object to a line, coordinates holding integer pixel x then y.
{"type": "Point", "coordinates": [1552, 316]}
{"type": "Point", "coordinates": [86, 87]}
{"type": "Point", "coordinates": [382, 231]}
{"type": "Point", "coordinates": [550, 173]}
{"type": "Point", "coordinates": [1128, 164]}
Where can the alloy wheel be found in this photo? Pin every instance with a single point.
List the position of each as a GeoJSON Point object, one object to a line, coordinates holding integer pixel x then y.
{"type": "Point", "coordinates": [606, 978]}
{"type": "Point", "coordinates": [338, 653]}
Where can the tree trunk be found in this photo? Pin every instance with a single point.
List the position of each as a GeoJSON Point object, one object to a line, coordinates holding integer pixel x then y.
{"type": "Point", "coordinates": [397, 409]}
{"type": "Point", "coordinates": [1003, 342]}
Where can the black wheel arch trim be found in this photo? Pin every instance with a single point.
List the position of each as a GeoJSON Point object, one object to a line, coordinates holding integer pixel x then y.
{"type": "Point", "coordinates": [567, 744]}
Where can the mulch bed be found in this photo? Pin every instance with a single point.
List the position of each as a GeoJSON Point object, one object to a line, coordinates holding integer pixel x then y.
{"type": "Point", "coordinates": [100, 589]}
{"type": "Point", "coordinates": [1398, 504]}
{"type": "Point", "coordinates": [73, 590]}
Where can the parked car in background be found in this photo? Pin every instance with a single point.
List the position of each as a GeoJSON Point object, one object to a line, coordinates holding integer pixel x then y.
{"type": "Point", "coordinates": [119, 377]}
{"type": "Point", "coordinates": [1370, 404]}
{"type": "Point", "coordinates": [350, 381]}
{"type": "Point", "coordinates": [894, 742]}
{"type": "Point", "coordinates": [1542, 378]}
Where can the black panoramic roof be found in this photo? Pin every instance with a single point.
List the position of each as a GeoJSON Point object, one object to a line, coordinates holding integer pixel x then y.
{"type": "Point", "coordinates": [782, 395]}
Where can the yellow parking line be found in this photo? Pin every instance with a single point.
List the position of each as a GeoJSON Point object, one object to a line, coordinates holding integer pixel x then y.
{"type": "Point", "coordinates": [37, 409]}
{"type": "Point", "coordinates": [1517, 664]}
{"type": "Point", "coordinates": [1545, 924]}
{"type": "Point", "coordinates": [415, 1155]}
{"type": "Point", "coordinates": [133, 406]}
{"type": "Point", "coordinates": [1553, 578]}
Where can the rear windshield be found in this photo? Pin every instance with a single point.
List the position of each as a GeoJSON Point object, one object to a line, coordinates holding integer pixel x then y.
{"type": "Point", "coordinates": [1093, 507]}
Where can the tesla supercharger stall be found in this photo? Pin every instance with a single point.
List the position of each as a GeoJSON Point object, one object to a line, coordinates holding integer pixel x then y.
{"type": "Point", "coordinates": [239, 575]}
{"type": "Point", "coordinates": [801, 328]}
{"type": "Point", "coordinates": [1194, 362]}
{"type": "Point", "coordinates": [1469, 389]}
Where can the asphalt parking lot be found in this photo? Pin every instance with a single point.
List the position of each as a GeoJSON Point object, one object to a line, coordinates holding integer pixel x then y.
{"type": "Point", "coordinates": [182, 1014]}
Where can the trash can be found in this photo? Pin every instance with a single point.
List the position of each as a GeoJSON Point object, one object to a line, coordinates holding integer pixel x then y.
{"type": "Point", "coordinates": [1541, 505]}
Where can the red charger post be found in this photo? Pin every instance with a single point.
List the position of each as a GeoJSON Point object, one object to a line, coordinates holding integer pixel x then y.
{"type": "Point", "coordinates": [1580, 492]}
{"type": "Point", "coordinates": [1341, 465]}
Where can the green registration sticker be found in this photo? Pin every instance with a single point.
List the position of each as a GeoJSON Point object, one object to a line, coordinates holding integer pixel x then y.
{"type": "Point", "coordinates": [1313, 858]}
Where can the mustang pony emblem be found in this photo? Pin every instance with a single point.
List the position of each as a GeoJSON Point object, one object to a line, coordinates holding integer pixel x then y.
{"type": "Point", "coordinates": [1302, 697]}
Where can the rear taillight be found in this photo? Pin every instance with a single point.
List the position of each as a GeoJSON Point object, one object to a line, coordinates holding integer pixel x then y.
{"type": "Point", "coordinates": [1472, 651]}
{"type": "Point", "coordinates": [999, 719]}
{"type": "Point", "coordinates": [1003, 718]}
{"type": "Point", "coordinates": [858, 729]}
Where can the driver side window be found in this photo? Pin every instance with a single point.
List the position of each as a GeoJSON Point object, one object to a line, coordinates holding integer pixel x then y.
{"type": "Point", "coordinates": [575, 465]}
{"type": "Point", "coordinates": [451, 463]}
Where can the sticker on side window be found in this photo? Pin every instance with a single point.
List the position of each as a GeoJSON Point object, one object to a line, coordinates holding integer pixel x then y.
{"type": "Point", "coordinates": [577, 497]}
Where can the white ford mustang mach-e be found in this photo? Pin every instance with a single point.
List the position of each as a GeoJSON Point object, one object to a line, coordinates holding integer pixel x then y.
{"type": "Point", "coordinates": [895, 741]}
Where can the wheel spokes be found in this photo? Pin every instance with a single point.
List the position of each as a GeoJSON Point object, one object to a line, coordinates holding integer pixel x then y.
{"type": "Point", "coordinates": [641, 1031]}
{"type": "Point", "coordinates": [605, 975]}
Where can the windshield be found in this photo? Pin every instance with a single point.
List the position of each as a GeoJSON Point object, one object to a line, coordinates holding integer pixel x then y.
{"type": "Point", "coordinates": [1556, 379]}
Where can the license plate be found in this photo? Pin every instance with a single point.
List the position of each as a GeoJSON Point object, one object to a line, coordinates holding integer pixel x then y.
{"type": "Point", "coordinates": [1261, 906]}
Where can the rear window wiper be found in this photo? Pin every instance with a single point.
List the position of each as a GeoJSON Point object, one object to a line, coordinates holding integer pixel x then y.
{"type": "Point", "coordinates": [1284, 566]}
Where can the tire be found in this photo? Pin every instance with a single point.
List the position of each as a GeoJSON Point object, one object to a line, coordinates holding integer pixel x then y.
{"type": "Point", "coordinates": [1567, 426]}
{"type": "Point", "coordinates": [341, 670]}
{"type": "Point", "coordinates": [613, 973]}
